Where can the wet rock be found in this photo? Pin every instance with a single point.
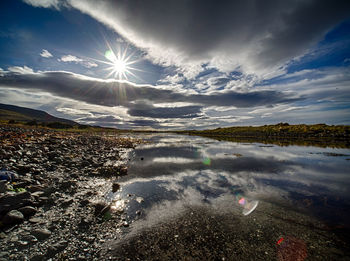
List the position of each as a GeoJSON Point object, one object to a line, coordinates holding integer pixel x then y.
{"type": "Point", "coordinates": [123, 171]}
{"type": "Point", "coordinates": [29, 238]}
{"type": "Point", "coordinates": [27, 211]}
{"type": "Point", "coordinates": [115, 187]}
{"type": "Point", "coordinates": [41, 234]}
{"type": "Point", "coordinates": [101, 208]}
{"type": "Point", "coordinates": [13, 217]}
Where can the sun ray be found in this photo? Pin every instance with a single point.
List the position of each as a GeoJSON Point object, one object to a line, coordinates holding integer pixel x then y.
{"type": "Point", "coordinates": [120, 62]}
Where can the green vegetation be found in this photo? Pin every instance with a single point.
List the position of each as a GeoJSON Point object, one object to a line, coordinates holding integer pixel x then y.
{"type": "Point", "coordinates": [283, 134]}
{"type": "Point", "coordinates": [13, 116]}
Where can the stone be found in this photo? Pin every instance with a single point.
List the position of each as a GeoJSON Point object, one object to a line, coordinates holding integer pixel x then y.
{"type": "Point", "coordinates": [84, 202]}
{"type": "Point", "coordinates": [101, 208]}
{"type": "Point", "coordinates": [41, 234]}
{"type": "Point", "coordinates": [37, 194]}
{"type": "Point", "coordinates": [35, 188]}
{"type": "Point", "coordinates": [29, 238]}
{"type": "Point", "coordinates": [3, 187]}
{"type": "Point", "coordinates": [123, 171]}
{"type": "Point", "coordinates": [35, 220]}
{"type": "Point", "coordinates": [14, 201]}
{"type": "Point", "coordinates": [115, 187]}
{"type": "Point", "coordinates": [13, 217]}
{"type": "Point", "coordinates": [27, 211]}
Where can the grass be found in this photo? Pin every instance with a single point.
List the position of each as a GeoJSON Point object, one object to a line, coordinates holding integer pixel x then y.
{"type": "Point", "coordinates": [283, 134]}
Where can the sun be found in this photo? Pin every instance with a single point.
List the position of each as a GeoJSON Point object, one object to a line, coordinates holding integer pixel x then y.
{"type": "Point", "coordinates": [120, 64]}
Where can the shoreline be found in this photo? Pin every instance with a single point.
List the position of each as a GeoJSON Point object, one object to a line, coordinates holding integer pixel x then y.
{"type": "Point", "coordinates": [54, 204]}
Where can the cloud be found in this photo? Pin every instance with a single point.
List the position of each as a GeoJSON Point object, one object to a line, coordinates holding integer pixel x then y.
{"type": "Point", "coordinates": [20, 70]}
{"type": "Point", "coordinates": [73, 59]}
{"type": "Point", "coordinates": [252, 36]}
{"type": "Point", "coordinates": [115, 93]}
{"type": "Point", "coordinates": [45, 53]}
{"type": "Point", "coordinates": [44, 3]}
{"type": "Point", "coordinates": [148, 110]}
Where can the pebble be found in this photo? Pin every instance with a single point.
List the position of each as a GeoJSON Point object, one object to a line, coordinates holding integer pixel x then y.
{"type": "Point", "coordinates": [64, 164]}
{"type": "Point", "coordinates": [35, 220]}
{"type": "Point", "coordinates": [41, 234]}
{"type": "Point", "coordinates": [13, 217]}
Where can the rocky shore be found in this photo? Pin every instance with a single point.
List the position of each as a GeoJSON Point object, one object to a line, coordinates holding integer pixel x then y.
{"type": "Point", "coordinates": [53, 193]}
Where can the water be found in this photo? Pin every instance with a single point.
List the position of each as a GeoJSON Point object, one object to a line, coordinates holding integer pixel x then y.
{"type": "Point", "coordinates": [296, 192]}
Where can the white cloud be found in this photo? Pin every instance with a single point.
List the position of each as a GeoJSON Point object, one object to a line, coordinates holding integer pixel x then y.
{"type": "Point", "coordinates": [73, 59]}
{"type": "Point", "coordinates": [45, 53]}
{"type": "Point", "coordinates": [21, 70]}
{"type": "Point", "coordinates": [70, 58]}
{"type": "Point", "coordinates": [44, 3]}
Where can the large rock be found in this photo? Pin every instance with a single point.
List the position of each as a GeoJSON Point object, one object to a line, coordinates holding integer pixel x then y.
{"type": "Point", "coordinates": [27, 211]}
{"type": "Point", "coordinates": [14, 201]}
{"type": "Point", "coordinates": [13, 217]}
{"type": "Point", "coordinates": [101, 208]}
{"type": "Point", "coordinates": [115, 187]}
{"type": "Point", "coordinates": [41, 234]}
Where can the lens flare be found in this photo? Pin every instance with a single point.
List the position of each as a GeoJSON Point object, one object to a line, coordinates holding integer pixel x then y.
{"type": "Point", "coordinates": [248, 205]}
{"type": "Point", "coordinates": [241, 201]}
{"type": "Point", "coordinates": [206, 161]}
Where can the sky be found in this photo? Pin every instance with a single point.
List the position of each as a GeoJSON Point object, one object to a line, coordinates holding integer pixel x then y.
{"type": "Point", "coordinates": [184, 64]}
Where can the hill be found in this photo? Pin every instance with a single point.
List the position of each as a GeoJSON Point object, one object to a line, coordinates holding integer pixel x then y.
{"type": "Point", "coordinates": [22, 114]}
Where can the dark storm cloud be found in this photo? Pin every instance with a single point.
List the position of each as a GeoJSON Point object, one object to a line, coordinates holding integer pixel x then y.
{"type": "Point", "coordinates": [143, 123]}
{"type": "Point", "coordinates": [114, 93]}
{"type": "Point", "coordinates": [101, 119]}
{"type": "Point", "coordinates": [252, 33]}
{"type": "Point", "coordinates": [148, 110]}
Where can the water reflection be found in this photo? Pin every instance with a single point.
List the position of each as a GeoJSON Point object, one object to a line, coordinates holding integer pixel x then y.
{"type": "Point", "coordinates": [172, 171]}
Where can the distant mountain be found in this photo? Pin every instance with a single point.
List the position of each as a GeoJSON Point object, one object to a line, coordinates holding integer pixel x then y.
{"type": "Point", "coordinates": [17, 113]}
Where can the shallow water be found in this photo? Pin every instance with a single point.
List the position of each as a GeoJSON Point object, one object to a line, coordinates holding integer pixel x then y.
{"type": "Point", "coordinates": [172, 174]}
